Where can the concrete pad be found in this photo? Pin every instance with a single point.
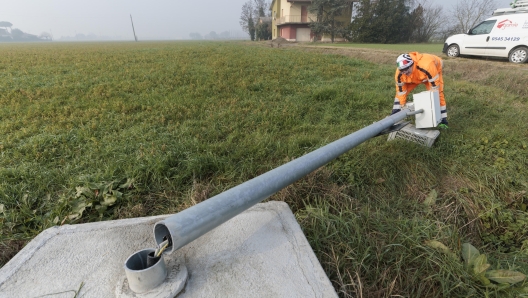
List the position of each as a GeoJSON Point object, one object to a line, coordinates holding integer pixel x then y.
{"type": "Point", "coordinates": [262, 252]}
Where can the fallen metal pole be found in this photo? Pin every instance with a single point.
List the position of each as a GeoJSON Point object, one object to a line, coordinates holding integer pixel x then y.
{"type": "Point", "coordinates": [189, 224]}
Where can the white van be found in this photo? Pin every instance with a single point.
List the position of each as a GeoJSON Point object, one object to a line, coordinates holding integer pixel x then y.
{"type": "Point", "coordinates": [503, 35]}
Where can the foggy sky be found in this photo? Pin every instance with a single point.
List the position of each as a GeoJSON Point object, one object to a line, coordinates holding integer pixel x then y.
{"type": "Point", "coordinates": [154, 19]}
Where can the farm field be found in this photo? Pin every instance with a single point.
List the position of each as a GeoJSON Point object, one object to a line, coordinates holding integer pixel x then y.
{"type": "Point", "coordinates": [432, 48]}
{"type": "Point", "coordinates": [102, 131]}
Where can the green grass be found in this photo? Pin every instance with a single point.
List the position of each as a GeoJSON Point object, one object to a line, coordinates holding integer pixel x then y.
{"type": "Point", "coordinates": [100, 131]}
{"type": "Point", "coordinates": [432, 48]}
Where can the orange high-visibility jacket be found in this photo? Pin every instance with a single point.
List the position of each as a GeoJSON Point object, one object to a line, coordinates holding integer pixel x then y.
{"type": "Point", "coordinates": [427, 69]}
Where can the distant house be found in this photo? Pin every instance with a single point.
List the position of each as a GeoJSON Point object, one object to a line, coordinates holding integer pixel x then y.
{"type": "Point", "coordinates": [291, 20]}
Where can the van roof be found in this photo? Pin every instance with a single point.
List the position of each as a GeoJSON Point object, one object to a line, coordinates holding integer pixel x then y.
{"type": "Point", "coordinates": [503, 11]}
{"type": "Point", "coordinates": [517, 6]}
{"type": "Point", "coordinates": [519, 3]}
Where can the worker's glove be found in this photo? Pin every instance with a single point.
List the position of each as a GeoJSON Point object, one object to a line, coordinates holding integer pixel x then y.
{"type": "Point", "coordinates": [394, 111]}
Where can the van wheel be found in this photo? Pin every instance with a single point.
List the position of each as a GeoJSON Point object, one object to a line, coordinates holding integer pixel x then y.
{"type": "Point", "coordinates": [453, 51]}
{"type": "Point", "coordinates": [519, 55]}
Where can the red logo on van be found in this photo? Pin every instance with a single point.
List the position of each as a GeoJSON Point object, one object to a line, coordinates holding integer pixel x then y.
{"type": "Point", "coordinates": [501, 24]}
{"type": "Point", "coordinates": [505, 24]}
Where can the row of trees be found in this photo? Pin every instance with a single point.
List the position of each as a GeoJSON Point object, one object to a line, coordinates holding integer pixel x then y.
{"type": "Point", "coordinates": [9, 34]}
{"type": "Point", "coordinates": [395, 21]}
{"type": "Point", "coordinates": [380, 21]}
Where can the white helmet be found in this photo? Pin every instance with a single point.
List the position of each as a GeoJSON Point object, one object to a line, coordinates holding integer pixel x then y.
{"type": "Point", "coordinates": [404, 61]}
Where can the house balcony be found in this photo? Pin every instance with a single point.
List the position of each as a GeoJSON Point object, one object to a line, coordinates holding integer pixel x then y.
{"type": "Point", "coordinates": [293, 19]}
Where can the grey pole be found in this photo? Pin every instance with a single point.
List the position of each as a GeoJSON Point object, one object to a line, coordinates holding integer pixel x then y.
{"type": "Point", "coordinates": [193, 222]}
{"type": "Point", "coordinates": [133, 30]}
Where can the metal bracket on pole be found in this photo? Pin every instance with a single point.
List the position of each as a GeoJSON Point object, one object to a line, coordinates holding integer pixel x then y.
{"type": "Point", "coordinates": [415, 112]}
{"type": "Point", "coordinates": [399, 125]}
{"type": "Point", "coordinates": [393, 128]}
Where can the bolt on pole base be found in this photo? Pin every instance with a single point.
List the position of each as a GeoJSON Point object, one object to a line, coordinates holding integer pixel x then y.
{"type": "Point", "coordinates": [170, 286]}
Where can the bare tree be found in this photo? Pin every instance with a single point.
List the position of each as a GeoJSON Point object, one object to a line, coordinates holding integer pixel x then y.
{"type": "Point", "coordinates": [260, 8]}
{"type": "Point", "coordinates": [431, 22]}
{"type": "Point", "coordinates": [246, 14]}
{"type": "Point", "coordinates": [46, 35]}
{"type": "Point", "coordinates": [468, 13]}
{"type": "Point", "coordinates": [247, 21]}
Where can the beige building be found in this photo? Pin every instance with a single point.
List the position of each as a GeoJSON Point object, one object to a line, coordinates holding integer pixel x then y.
{"type": "Point", "coordinates": [291, 20]}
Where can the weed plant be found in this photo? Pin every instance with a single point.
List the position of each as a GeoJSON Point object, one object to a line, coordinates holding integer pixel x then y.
{"type": "Point", "coordinates": [101, 131]}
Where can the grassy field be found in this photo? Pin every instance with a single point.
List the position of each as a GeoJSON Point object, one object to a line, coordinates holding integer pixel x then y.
{"type": "Point", "coordinates": [100, 131]}
{"type": "Point", "coordinates": [432, 48]}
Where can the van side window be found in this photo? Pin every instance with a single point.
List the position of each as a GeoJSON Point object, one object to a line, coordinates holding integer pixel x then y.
{"type": "Point", "coordinates": [483, 28]}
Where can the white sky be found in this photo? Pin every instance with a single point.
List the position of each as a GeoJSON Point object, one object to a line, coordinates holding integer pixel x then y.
{"type": "Point", "coordinates": [153, 19]}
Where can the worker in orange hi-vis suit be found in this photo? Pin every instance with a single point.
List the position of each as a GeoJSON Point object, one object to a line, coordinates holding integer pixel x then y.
{"type": "Point", "coordinates": [414, 69]}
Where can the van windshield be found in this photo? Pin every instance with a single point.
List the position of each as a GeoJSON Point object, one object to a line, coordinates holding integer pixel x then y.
{"type": "Point", "coordinates": [483, 28]}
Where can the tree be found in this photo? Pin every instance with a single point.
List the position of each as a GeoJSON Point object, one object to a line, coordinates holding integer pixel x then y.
{"type": "Point", "coordinates": [260, 7]}
{"type": "Point", "coordinates": [5, 24]}
{"type": "Point", "coordinates": [212, 35]}
{"type": "Point", "coordinates": [384, 21]}
{"type": "Point", "coordinates": [251, 28]}
{"type": "Point", "coordinates": [468, 13]}
{"type": "Point", "coordinates": [17, 33]}
{"type": "Point", "coordinates": [252, 11]}
{"type": "Point", "coordinates": [195, 35]}
{"type": "Point", "coordinates": [327, 14]}
{"type": "Point", "coordinates": [246, 19]}
{"type": "Point", "coordinates": [415, 23]}
{"type": "Point", "coordinates": [263, 30]}
{"type": "Point", "coordinates": [429, 23]}
{"type": "Point", "coordinates": [263, 26]}
{"type": "Point", "coordinates": [45, 35]}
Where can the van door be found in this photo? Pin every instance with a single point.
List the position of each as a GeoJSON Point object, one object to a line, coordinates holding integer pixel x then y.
{"type": "Point", "coordinates": [477, 39]}
{"type": "Point", "coordinates": [505, 35]}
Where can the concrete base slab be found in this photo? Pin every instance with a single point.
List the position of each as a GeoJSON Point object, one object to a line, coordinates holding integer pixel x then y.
{"type": "Point", "coordinates": [262, 252]}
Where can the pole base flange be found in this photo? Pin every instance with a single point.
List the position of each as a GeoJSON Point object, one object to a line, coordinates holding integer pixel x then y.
{"type": "Point", "coordinates": [173, 284]}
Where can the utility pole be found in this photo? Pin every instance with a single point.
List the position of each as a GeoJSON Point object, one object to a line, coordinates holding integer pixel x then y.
{"type": "Point", "coordinates": [133, 30]}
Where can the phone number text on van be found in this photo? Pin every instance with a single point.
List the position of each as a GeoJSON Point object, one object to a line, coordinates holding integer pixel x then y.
{"type": "Point", "coordinates": [505, 38]}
